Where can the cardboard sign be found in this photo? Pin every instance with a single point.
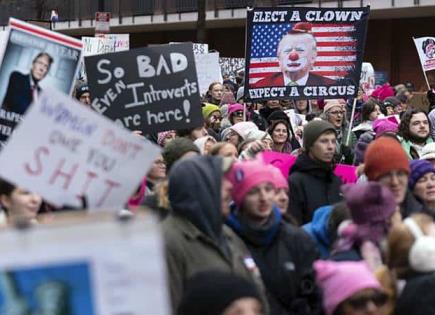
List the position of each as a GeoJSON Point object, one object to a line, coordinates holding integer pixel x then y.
{"type": "Point", "coordinates": [208, 70]}
{"type": "Point", "coordinates": [231, 66]}
{"type": "Point", "coordinates": [149, 89]}
{"type": "Point", "coordinates": [284, 163]}
{"type": "Point", "coordinates": [304, 53]}
{"type": "Point", "coordinates": [48, 270]}
{"type": "Point", "coordinates": [33, 59]}
{"type": "Point", "coordinates": [97, 45]}
{"type": "Point", "coordinates": [102, 22]}
{"type": "Point", "coordinates": [75, 152]}
{"type": "Point", "coordinates": [367, 81]}
{"type": "Point", "coordinates": [426, 52]}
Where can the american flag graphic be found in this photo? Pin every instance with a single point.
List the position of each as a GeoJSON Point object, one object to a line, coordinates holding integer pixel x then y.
{"type": "Point", "coordinates": [336, 49]}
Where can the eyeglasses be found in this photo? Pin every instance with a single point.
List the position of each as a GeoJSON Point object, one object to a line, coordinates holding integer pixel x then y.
{"type": "Point", "coordinates": [336, 113]}
{"type": "Point", "coordinates": [359, 303]}
{"type": "Point", "coordinates": [238, 114]}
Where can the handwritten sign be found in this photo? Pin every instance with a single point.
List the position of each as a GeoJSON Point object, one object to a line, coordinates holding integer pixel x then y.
{"type": "Point", "coordinates": [150, 89]}
{"type": "Point", "coordinates": [119, 271]}
{"type": "Point", "coordinates": [75, 152]}
{"type": "Point", "coordinates": [97, 45]}
{"type": "Point", "coordinates": [284, 163]}
{"type": "Point", "coordinates": [208, 70]}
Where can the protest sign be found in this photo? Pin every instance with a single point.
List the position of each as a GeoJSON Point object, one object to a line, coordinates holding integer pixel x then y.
{"type": "Point", "coordinates": [197, 48]}
{"type": "Point", "coordinates": [367, 81]}
{"type": "Point", "coordinates": [149, 89]}
{"type": "Point", "coordinates": [284, 163]}
{"type": "Point", "coordinates": [231, 66]}
{"type": "Point", "coordinates": [47, 270]}
{"type": "Point", "coordinates": [97, 45]}
{"type": "Point", "coordinates": [75, 152]}
{"type": "Point", "coordinates": [304, 53]}
{"type": "Point", "coordinates": [34, 59]}
{"type": "Point", "coordinates": [208, 70]}
{"type": "Point", "coordinates": [122, 41]}
{"type": "Point", "coordinates": [102, 22]}
{"type": "Point", "coordinates": [426, 52]}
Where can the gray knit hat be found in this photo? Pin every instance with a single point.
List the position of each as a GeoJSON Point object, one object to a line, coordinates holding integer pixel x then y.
{"type": "Point", "coordinates": [313, 130]}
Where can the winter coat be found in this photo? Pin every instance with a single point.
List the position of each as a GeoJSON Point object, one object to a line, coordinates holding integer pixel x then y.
{"type": "Point", "coordinates": [417, 297]}
{"type": "Point", "coordinates": [195, 237]}
{"type": "Point", "coordinates": [312, 185]}
{"type": "Point", "coordinates": [284, 254]}
{"type": "Point", "coordinates": [318, 230]}
{"type": "Point", "coordinates": [411, 152]}
{"type": "Point", "coordinates": [410, 205]}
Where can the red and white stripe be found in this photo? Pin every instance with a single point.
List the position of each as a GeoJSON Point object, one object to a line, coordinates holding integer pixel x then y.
{"type": "Point", "coordinates": [336, 54]}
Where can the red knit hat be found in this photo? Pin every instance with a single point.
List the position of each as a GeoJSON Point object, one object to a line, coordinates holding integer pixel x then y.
{"type": "Point", "coordinates": [384, 155]}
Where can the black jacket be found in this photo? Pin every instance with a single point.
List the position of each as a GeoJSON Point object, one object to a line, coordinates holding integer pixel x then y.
{"type": "Point", "coordinates": [417, 297]}
{"type": "Point", "coordinates": [284, 254]}
{"type": "Point", "coordinates": [312, 185]}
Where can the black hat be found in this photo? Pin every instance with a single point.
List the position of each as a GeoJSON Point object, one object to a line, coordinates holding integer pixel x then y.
{"type": "Point", "coordinates": [175, 149]}
{"type": "Point", "coordinates": [211, 292]}
{"type": "Point", "coordinates": [391, 101]}
{"type": "Point", "coordinates": [81, 89]}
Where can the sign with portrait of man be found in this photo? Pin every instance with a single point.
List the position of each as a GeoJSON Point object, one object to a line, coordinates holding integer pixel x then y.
{"type": "Point", "coordinates": [304, 53]}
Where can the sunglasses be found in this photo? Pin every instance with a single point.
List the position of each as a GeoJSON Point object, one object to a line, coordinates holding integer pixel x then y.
{"type": "Point", "coordinates": [359, 303]}
{"type": "Point", "coordinates": [238, 114]}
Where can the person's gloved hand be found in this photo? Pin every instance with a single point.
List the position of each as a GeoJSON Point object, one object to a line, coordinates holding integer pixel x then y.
{"type": "Point", "coordinates": [252, 150]}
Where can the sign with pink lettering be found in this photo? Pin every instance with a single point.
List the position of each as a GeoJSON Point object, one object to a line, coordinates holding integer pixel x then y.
{"type": "Point", "coordinates": [75, 152]}
{"type": "Point", "coordinates": [284, 163]}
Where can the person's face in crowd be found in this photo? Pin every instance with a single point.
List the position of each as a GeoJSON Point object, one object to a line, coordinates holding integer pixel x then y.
{"type": "Point", "coordinates": [296, 54]}
{"type": "Point", "coordinates": [280, 134]}
{"type": "Point", "coordinates": [237, 117]}
{"type": "Point", "coordinates": [198, 133]}
{"type": "Point", "coordinates": [233, 138]}
{"type": "Point", "coordinates": [302, 106]}
{"type": "Point", "coordinates": [226, 189]}
{"type": "Point", "coordinates": [364, 302]}
{"type": "Point", "coordinates": [267, 142]}
{"type": "Point", "coordinates": [375, 113]}
{"type": "Point", "coordinates": [323, 148]}
{"type": "Point", "coordinates": [419, 126]}
{"type": "Point", "coordinates": [390, 110]}
{"type": "Point", "coordinates": [229, 150]}
{"type": "Point", "coordinates": [21, 204]}
{"type": "Point", "coordinates": [285, 104]}
{"type": "Point", "coordinates": [425, 188]}
{"type": "Point", "coordinates": [281, 199]}
{"type": "Point", "coordinates": [397, 182]}
{"type": "Point", "coordinates": [40, 68]}
{"type": "Point", "coordinates": [336, 116]}
{"type": "Point", "coordinates": [85, 98]}
{"type": "Point", "coordinates": [258, 202]}
{"type": "Point", "coordinates": [216, 92]}
{"type": "Point", "coordinates": [214, 120]}
{"type": "Point", "coordinates": [208, 145]}
{"type": "Point", "coordinates": [244, 306]}
{"type": "Point", "coordinates": [273, 104]}
{"type": "Point", "coordinates": [158, 169]}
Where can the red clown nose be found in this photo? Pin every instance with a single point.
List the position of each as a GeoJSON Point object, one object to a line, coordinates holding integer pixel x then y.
{"type": "Point", "coordinates": [293, 56]}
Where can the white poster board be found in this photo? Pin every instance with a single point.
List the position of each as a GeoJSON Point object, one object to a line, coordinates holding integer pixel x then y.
{"type": "Point", "coordinates": [63, 150]}
{"type": "Point", "coordinates": [121, 41]}
{"type": "Point", "coordinates": [121, 269]}
{"type": "Point", "coordinates": [367, 81]}
{"type": "Point", "coordinates": [208, 70]}
{"type": "Point", "coordinates": [97, 45]}
{"type": "Point", "coordinates": [426, 52]}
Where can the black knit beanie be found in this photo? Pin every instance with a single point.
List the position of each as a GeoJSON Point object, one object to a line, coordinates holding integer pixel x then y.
{"type": "Point", "coordinates": [175, 149]}
{"type": "Point", "coordinates": [211, 292]}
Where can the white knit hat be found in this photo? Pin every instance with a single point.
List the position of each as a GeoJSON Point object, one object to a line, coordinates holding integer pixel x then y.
{"type": "Point", "coordinates": [422, 253]}
{"type": "Point", "coordinates": [428, 151]}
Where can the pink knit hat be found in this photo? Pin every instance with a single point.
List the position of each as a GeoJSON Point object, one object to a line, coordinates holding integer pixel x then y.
{"type": "Point", "coordinates": [234, 108]}
{"type": "Point", "coordinates": [161, 136]}
{"type": "Point", "coordinates": [278, 178]}
{"type": "Point", "coordinates": [340, 280]}
{"type": "Point", "coordinates": [383, 125]}
{"type": "Point", "coordinates": [382, 92]}
{"type": "Point", "coordinates": [246, 175]}
{"type": "Point", "coordinates": [329, 104]}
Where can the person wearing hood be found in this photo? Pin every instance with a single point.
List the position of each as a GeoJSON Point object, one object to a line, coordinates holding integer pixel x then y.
{"type": "Point", "coordinates": [411, 248]}
{"type": "Point", "coordinates": [386, 162]}
{"type": "Point", "coordinates": [195, 237]}
{"type": "Point", "coordinates": [283, 253]}
{"type": "Point", "coordinates": [334, 112]}
{"type": "Point", "coordinates": [205, 144]}
{"type": "Point", "coordinates": [312, 180]}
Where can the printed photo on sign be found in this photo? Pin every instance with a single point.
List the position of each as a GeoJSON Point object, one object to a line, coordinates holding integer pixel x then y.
{"type": "Point", "coordinates": [75, 152]}
{"type": "Point", "coordinates": [149, 89]}
{"type": "Point", "coordinates": [34, 59]}
{"type": "Point", "coordinates": [61, 289]}
{"type": "Point", "coordinates": [304, 53]}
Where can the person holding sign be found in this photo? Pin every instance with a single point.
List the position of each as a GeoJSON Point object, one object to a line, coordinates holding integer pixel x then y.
{"type": "Point", "coordinates": [23, 89]}
{"type": "Point", "coordinates": [296, 52]}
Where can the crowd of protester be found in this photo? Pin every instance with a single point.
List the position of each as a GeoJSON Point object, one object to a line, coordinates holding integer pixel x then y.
{"type": "Point", "coordinates": [241, 237]}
